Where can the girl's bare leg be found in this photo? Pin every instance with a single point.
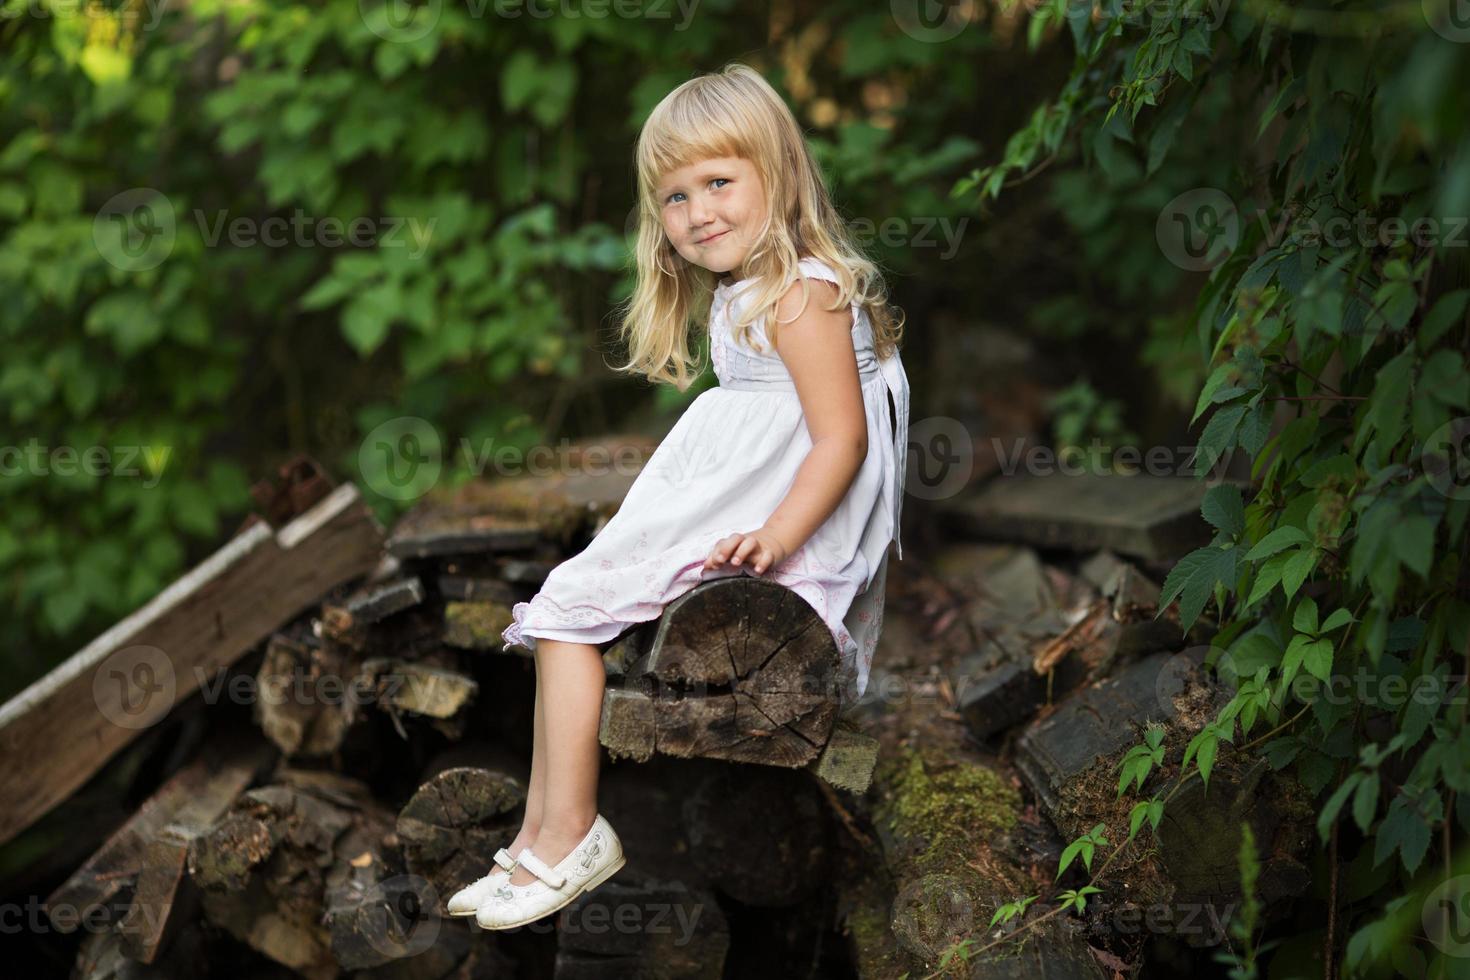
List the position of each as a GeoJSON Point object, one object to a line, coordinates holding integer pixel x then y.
{"type": "Point", "coordinates": [536, 791]}
{"type": "Point", "coordinates": [572, 675]}
{"type": "Point", "coordinates": [536, 786]}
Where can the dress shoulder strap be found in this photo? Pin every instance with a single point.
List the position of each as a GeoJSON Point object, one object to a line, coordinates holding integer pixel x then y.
{"type": "Point", "coordinates": [816, 267]}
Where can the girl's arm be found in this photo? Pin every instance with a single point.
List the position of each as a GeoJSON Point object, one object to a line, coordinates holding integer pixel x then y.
{"type": "Point", "coordinates": [817, 350]}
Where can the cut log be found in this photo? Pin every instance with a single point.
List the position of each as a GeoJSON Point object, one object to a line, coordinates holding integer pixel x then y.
{"type": "Point", "coordinates": [465, 588]}
{"type": "Point", "coordinates": [261, 868]}
{"type": "Point", "coordinates": [1069, 760]}
{"type": "Point", "coordinates": [451, 828]}
{"type": "Point", "coordinates": [947, 827]}
{"type": "Point", "coordinates": [141, 865]}
{"type": "Point", "coordinates": [738, 668]}
{"type": "Point", "coordinates": [290, 871]}
{"type": "Point", "coordinates": [781, 817]}
{"type": "Point", "coordinates": [373, 912]}
{"type": "Point", "coordinates": [1151, 517]}
{"type": "Point", "coordinates": [346, 621]}
{"type": "Point", "coordinates": [63, 728]}
{"type": "Point", "coordinates": [1121, 583]}
{"type": "Point", "coordinates": [847, 760]}
{"type": "Point", "coordinates": [305, 706]}
{"type": "Point", "coordinates": [476, 624]}
{"type": "Point", "coordinates": [438, 694]}
{"type": "Point", "coordinates": [1001, 697]}
{"type": "Point", "coordinates": [644, 928]}
{"type": "Point", "coordinates": [1098, 722]}
{"type": "Point", "coordinates": [517, 513]}
{"type": "Point", "coordinates": [468, 538]}
{"type": "Point", "coordinates": [526, 571]}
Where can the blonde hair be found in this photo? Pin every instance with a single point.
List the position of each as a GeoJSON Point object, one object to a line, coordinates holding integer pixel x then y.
{"type": "Point", "coordinates": [736, 113]}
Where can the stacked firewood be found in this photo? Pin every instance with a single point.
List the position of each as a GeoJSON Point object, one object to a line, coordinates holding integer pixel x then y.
{"type": "Point", "coordinates": [316, 823]}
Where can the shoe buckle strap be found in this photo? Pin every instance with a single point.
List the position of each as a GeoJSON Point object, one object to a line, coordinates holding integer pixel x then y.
{"type": "Point", "coordinates": [505, 860]}
{"type": "Point", "coordinates": [540, 869]}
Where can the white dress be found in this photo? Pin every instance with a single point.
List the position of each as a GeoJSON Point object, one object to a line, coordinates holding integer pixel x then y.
{"type": "Point", "coordinates": [724, 468]}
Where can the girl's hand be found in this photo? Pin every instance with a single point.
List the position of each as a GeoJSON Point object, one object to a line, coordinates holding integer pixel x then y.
{"type": "Point", "coordinates": [760, 549]}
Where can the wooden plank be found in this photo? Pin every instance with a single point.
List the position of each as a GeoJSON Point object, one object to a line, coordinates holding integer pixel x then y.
{"type": "Point", "coordinates": [63, 728]}
{"type": "Point", "coordinates": [194, 795]}
{"type": "Point", "coordinates": [145, 856]}
{"type": "Point", "coordinates": [1156, 518]}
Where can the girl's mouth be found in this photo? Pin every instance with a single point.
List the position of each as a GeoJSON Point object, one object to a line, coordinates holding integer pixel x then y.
{"type": "Point", "coordinates": [715, 238]}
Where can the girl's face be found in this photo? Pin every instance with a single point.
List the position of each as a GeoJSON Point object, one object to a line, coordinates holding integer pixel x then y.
{"type": "Point", "coordinates": [712, 210]}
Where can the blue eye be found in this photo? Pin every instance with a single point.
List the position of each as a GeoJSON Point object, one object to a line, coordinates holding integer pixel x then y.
{"type": "Point", "coordinates": [671, 197]}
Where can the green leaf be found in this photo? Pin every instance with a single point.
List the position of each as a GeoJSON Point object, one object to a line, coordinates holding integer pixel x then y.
{"type": "Point", "coordinates": [1194, 577]}
{"type": "Point", "coordinates": [63, 609]}
{"type": "Point", "coordinates": [1339, 468]}
{"type": "Point", "coordinates": [1202, 748]}
{"type": "Point", "coordinates": [1387, 403]}
{"type": "Point", "coordinates": [1218, 437]}
{"type": "Point", "coordinates": [1296, 569]}
{"type": "Point", "coordinates": [1413, 542]}
{"type": "Point", "coordinates": [128, 318]}
{"type": "Point", "coordinates": [1292, 659]}
{"type": "Point", "coordinates": [1448, 312]}
{"type": "Point", "coordinates": [327, 292]}
{"type": "Point", "coordinates": [1365, 802]}
{"type": "Point", "coordinates": [1334, 804]}
{"type": "Point", "coordinates": [193, 509]}
{"type": "Point", "coordinates": [1222, 507]}
{"type": "Point", "coordinates": [365, 326]}
{"type": "Point", "coordinates": [1304, 619]}
{"type": "Point", "coordinates": [1255, 428]}
{"type": "Point", "coordinates": [1404, 831]}
{"type": "Point", "coordinates": [1317, 658]}
{"type": "Point", "coordinates": [1266, 579]}
{"type": "Point", "coordinates": [1278, 540]}
{"type": "Point", "coordinates": [546, 88]}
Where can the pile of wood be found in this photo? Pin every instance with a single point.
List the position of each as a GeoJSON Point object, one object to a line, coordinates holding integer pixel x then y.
{"type": "Point", "coordinates": [347, 743]}
{"type": "Point", "coordinates": [365, 744]}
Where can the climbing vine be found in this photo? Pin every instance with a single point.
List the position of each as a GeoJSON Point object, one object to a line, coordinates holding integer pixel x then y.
{"type": "Point", "coordinates": [1329, 316]}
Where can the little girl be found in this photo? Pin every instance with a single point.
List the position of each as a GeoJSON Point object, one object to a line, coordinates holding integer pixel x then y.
{"type": "Point", "coordinates": [792, 469]}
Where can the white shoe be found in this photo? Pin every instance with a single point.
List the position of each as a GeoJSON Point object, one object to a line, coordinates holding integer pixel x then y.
{"type": "Point", "coordinates": [469, 898]}
{"type": "Point", "coordinates": [596, 859]}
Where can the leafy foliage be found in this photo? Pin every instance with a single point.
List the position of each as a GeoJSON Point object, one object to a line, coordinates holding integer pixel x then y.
{"type": "Point", "coordinates": [232, 232]}
{"type": "Point", "coordinates": [1327, 270]}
